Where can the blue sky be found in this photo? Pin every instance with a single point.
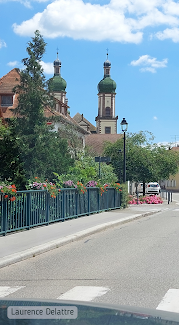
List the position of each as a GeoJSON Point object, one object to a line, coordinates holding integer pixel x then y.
{"type": "Point", "coordinates": [143, 41]}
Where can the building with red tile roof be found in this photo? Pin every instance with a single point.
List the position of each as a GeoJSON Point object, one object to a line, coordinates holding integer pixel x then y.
{"type": "Point", "coordinates": [96, 142]}
{"type": "Point", "coordinates": [9, 101]}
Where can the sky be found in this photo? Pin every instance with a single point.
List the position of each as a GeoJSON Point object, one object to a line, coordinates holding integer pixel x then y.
{"type": "Point", "coordinates": [142, 38]}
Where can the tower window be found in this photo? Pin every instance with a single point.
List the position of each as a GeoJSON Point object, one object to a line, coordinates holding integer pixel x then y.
{"type": "Point", "coordinates": [7, 100]}
{"type": "Point", "coordinates": [107, 130]}
{"type": "Point", "coordinates": [107, 71]}
{"type": "Point", "coordinates": [108, 111]}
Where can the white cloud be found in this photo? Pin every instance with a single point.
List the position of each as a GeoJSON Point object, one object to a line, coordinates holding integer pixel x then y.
{"type": "Point", "coordinates": [2, 44]}
{"type": "Point", "coordinates": [26, 3]}
{"type": "Point", "coordinates": [13, 63]}
{"type": "Point", "coordinates": [79, 20]}
{"type": "Point", "coordinates": [155, 118]}
{"type": "Point", "coordinates": [119, 20]}
{"type": "Point", "coordinates": [149, 63]}
{"type": "Point", "coordinates": [47, 67]}
{"type": "Point", "coordinates": [149, 69]}
{"type": "Point", "coordinates": [169, 33]}
{"type": "Point", "coordinates": [171, 7]}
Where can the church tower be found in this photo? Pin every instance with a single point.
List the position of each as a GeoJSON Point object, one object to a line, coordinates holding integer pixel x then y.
{"type": "Point", "coordinates": [58, 88]}
{"type": "Point", "coordinates": [106, 121]}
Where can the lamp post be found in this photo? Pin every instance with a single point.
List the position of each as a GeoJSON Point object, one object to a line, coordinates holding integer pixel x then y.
{"type": "Point", "coordinates": [124, 126]}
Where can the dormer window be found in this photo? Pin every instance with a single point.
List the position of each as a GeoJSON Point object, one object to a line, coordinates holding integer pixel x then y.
{"type": "Point", "coordinates": [7, 100]}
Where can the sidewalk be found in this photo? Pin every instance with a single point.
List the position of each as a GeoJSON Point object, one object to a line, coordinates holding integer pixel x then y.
{"type": "Point", "coordinates": [21, 245]}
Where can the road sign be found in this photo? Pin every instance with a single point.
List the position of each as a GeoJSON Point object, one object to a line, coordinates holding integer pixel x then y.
{"type": "Point", "coordinates": [103, 159]}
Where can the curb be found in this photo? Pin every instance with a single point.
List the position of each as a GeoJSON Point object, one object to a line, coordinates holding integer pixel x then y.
{"type": "Point", "coordinates": [37, 250]}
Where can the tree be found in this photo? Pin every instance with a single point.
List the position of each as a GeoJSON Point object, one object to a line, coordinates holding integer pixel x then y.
{"type": "Point", "coordinates": [11, 167]}
{"type": "Point", "coordinates": [145, 161]}
{"type": "Point", "coordinates": [71, 133]}
{"type": "Point", "coordinates": [85, 169]}
{"type": "Point", "coordinates": [41, 149]}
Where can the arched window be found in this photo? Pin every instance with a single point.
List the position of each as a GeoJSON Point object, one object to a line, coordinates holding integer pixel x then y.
{"type": "Point", "coordinates": [108, 111]}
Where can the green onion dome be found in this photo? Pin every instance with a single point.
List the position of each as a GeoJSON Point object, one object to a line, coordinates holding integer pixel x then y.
{"type": "Point", "coordinates": [58, 83]}
{"type": "Point", "coordinates": [107, 85]}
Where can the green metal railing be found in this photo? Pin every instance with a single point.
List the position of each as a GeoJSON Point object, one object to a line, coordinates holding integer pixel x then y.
{"type": "Point", "coordinates": [34, 208]}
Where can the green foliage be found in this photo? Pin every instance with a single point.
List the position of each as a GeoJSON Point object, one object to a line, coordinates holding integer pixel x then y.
{"type": "Point", "coordinates": [38, 184]}
{"type": "Point", "coordinates": [86, 169]}
{"type": "Point", "coordinates": [11, 167]}
{"type": "Point", "coordinates": [124, 196]}
{"type": "Point", "coordinates": [145, 161]}
{"type": "Point", "coordinates": [70, 132]}
{"type": "Point", "coordinates": [166, 162]}
{"type": "Point", "coordinates": [42, 150]}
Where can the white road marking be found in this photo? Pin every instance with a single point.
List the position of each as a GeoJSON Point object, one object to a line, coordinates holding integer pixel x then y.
{"type": "Point", "coordinates": [175, 209]}
{"type": "Point", "coordinates": [5, 291]}
{"type": "Point", "coordinates": [84, 293]}
{"type": "Point", "coordinates": [170, 301]}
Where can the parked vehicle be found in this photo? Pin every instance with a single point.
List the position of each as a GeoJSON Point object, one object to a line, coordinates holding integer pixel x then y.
{"type": "Point", "coordinates": [140, 187]}
{"type": "Point", "coordinates": [153, 188]}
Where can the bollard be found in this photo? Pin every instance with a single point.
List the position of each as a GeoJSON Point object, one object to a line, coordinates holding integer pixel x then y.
{"type": "Point", "coordinates": [168, 197]}
{"type": "Point", "coordinates": [137, 197]}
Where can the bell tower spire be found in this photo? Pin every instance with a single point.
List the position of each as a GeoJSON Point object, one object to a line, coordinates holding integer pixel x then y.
{"type": "Point", "coordinates": [106, 121]}
{"type": "Point", "coordinates": [107, 67]}
{"type": "Point", "coordinates": [57, 66]}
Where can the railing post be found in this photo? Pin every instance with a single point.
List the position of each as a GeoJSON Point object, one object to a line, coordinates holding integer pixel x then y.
{"type": "Point", "coordinates": [63, 206]}
{"type": "Point", "coordinates": [171, 196]}
{"type": "Point", "coordinates": [76, 202]}
{"type": "Point", "coordinates": [98, 199]}
{"type": "Point", "coordinates": [88, 191]}
{"type": "Point", "coordinates": [5, 215]}
{"type": "Point", "coordinates": [28, 209]}
{"type": "Point", "coordinates": [114, 198]}
{"type": "Point", "coordinates": [107, 200]}
{"type": "Point", "coordinates": [47, 207]}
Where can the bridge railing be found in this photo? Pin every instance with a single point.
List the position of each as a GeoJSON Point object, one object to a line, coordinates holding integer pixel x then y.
{"type": "Point", "coordinates": [36, 207]}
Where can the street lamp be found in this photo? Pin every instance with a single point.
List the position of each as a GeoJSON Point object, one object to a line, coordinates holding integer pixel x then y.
{"type": "Point", "coordinates": [124, 126]}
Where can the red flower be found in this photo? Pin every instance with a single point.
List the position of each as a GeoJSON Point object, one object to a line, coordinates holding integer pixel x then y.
{"type": "Point", "coordinates": [12, 198]}
{"type": "Point", "coordinates": [6, 196]}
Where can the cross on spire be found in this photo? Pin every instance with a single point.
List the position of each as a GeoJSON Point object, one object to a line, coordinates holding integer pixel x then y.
{"type": "Point", "coordinates": [57, 52]}
{"type": "Point", "coordinates": [107, 52]}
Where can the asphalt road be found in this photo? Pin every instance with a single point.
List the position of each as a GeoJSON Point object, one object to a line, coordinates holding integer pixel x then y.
{"type": "Point", "coordinates": [133, 264]}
